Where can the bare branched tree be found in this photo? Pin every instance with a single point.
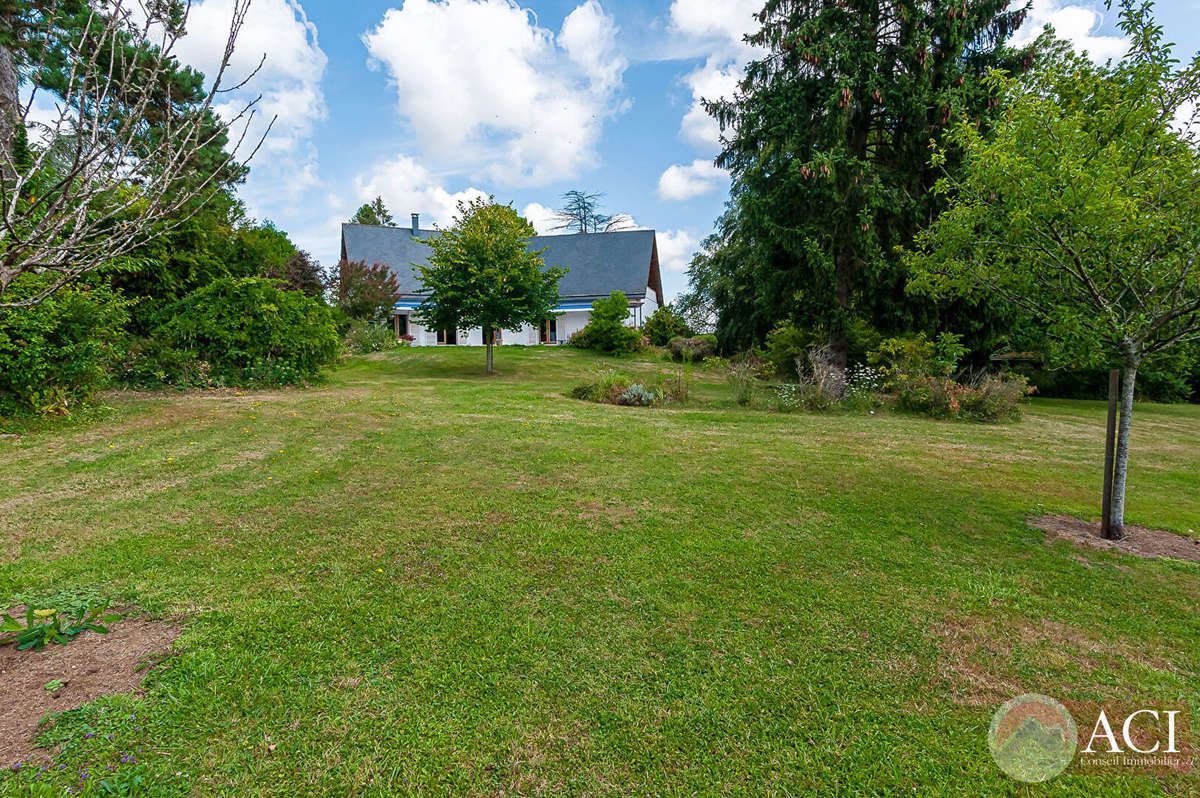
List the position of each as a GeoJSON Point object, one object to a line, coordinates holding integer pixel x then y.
{"type": "Point", "coordinates": [581, 214]}
{"type": "Point", "coordinates": [127, 154]}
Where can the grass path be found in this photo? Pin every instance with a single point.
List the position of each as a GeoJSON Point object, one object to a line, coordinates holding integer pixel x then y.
{"type": "Point", "coordinates": [415, 580]}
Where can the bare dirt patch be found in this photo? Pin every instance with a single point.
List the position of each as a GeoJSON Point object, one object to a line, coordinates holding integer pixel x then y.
{"type": "Point", "coordinates": [1138, 541]}
{"type": "Point", "coordinates": [90, 666]}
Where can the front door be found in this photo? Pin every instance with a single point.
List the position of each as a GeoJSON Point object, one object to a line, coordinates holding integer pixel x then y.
{"type": "Point", "coordinates": [447, 337]}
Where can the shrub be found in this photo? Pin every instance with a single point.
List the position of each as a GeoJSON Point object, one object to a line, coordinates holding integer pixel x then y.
{"type": "Point", "coordinates": [916, 356]}
{"type": "Point", "coordinates": [582, 339]}
{"type": "Point", "coordinates": [693, 350]}
{"type": "Point", "coordinates": [638, 395]}
{"type": "Point", "coordinates": [150, 363]}
{"type": "Point", "coordinates": [664, 325]}
{"type": "Point", "coordinates": [821, 384]}
{"type": "Point", "coordinates": [783, 345]}
{"type": "Point", "coordinates": [57, 353]}
{"type": "Point", "coordinates": [987, 397]}
{"type": "Point", "coordinates": [615, 388]}
{"type": "Point", "coordinates": [364, 338]}
{"type": "Point", "coordinates": [606, 330]}
{"type": "Point", "coordinates": [251, 331]}
{"type": "Point", "coordinates": [741, 380]}
{"type": "Point", "coordinates": [606, 387]}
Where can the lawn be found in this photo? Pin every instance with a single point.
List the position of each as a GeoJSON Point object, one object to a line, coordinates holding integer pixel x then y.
{"type": "Point", "coordinates": [414, 579]}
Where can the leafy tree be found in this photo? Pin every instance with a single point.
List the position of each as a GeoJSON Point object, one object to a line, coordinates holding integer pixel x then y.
{"type": "Point", "coordinates": [374, 213]}
{"type": "Point", "coordinates": [217, 241]}
{"type": "Point", "coordinates": [133, 148]}
{"type": "Point", "coordinates": [664, 325]}
{"type": "Point", "coordinates": [301, 273]}
{"type": "Point", "coordinates": [581, 214]}
{"type": "Point", "coordinates": [362, 292]}
{"type": "Point", "coordinates": [827, 143]}
{"type": "Point", "coordinates": [260, 250]}
{"type": "Point", "coordinates": [481, 273]}
{"type": "Point", "coordinates": [1081, 206]}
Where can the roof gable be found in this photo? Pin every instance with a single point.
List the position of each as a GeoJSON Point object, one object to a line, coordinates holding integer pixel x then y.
{"type": "Point", "coordinates": [597, 263]}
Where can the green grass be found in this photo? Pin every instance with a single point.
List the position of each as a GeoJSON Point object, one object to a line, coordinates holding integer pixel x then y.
{"type": "Point", "coordinates": [418, 580]}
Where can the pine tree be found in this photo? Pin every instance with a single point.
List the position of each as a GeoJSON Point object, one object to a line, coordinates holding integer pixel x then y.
{"type": "Point", "coordinates": [828, 143]}
{"type": "Point", "coordinates": [374, 213]}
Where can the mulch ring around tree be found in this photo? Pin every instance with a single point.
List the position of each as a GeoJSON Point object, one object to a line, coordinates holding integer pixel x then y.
{"type": "Point", "coordinates": [1138, 541]}
{"type": "Point", "coordinates": [90, 666]}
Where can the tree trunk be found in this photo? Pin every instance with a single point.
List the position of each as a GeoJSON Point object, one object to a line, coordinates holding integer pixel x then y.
{"type": "Point", "coordinates": [1120, 469]}
{"type": "Point", "coordinates": [489, 356]}
{"type": "Point", "coordinates": [839, 344]}
{"type": "Point", "coordinates": [9, 105]}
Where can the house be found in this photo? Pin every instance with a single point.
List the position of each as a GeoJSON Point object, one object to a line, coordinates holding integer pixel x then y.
{"type": "Point", "coordinates": [597, 264]}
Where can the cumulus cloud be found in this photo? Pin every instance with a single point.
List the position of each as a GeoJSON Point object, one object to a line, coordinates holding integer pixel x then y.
{"type": "Point", "coordinates": [714, 30]}
{"type": "Point", "coordinates": [676, 249]}
{"type": "Point", "coordinates": [1078, 23]}
{"type": "Point", "coordinates": [543, 219]}
{"type": "Point", "coordinates": [713, 81]}
{"type": "Point", "coordinates": [489, 90]}
{"type": "Point", "coordinates": [289, 83]}
{"type": "Point", "coordinates": [680, 183]}
{"type": "Point", "coordinates": [408, 187]}
{"type": "Point", "coordinates": [717, 28]}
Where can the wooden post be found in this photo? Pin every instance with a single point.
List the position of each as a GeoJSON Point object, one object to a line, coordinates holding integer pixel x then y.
{"type": "Point", "coordinates": [1110, 447]}
{"type": "Point", "coordinates": [396, 324]}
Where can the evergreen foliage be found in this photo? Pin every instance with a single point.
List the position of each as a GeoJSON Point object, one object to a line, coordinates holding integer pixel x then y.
{"type": "Point", "coordinates": [827, 142]}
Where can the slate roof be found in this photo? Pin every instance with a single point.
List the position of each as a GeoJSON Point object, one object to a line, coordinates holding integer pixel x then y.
{"type": "Point", "coordinates": [597, 263]}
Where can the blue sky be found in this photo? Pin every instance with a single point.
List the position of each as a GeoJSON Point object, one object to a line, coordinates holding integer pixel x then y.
{"type": "Point", "coordinates": [426, 102]}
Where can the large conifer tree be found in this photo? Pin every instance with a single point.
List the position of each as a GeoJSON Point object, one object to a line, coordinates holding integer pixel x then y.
{"type": "Point", "coordinates": [828, 142]}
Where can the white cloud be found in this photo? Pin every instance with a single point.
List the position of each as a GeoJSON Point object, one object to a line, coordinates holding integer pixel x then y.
{"type": "Point", "coordinates": [713, 81]}
{"type": "Point", "coordinates": [685, 182]}
{"type": "Point", "coordinates": [676, 249]}
{"type": "Point", "coordinates": [488, 90]}
{"type": "Point", "coordinates": [590, 38]}
{"type": "Point", "coordinates": [543, 219]}
{"type": "Point", "coordinates": [1075, 22]}
{"type": "Point", "coordinates": [720, 19]}
{"type": "Point", "coordinates": [289, 83]}
{"type": "Point", "coordinates": [407, 187]}
{"type": "Point", "coordinates": [716, 29]}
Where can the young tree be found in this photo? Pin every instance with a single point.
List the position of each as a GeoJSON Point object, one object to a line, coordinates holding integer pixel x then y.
{"type": "Point", "coordinates": [581, 214]}
{"type": "Point", "coordinates": [481, 273]}
{"type": "Point", "coordinates": [133, 149]}
{"type": "Point", "coordinates": [1082, 206]}
{"type": "Point", "coordinates": [374, 213]}
{"type": "Point", "coordinates": [363, 292]}
{"type": "Point", "coordinates": [827, 142]}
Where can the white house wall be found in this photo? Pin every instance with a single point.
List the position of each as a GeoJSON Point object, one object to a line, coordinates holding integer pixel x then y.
{"type": "Point", "coordinates": [568, 322]}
